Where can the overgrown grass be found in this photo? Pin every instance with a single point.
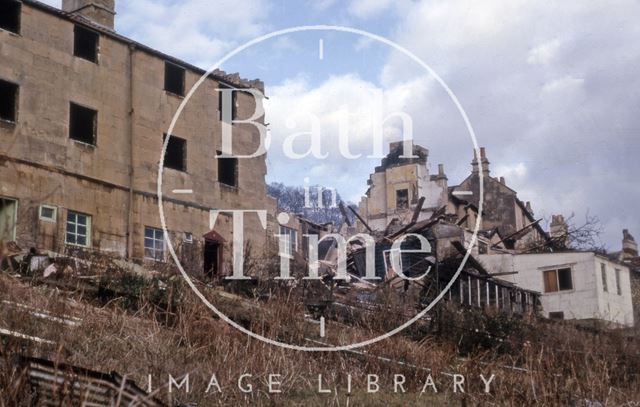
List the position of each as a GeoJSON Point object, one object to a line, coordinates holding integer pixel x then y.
{"type": "Point", "coordinates": [140, 327]}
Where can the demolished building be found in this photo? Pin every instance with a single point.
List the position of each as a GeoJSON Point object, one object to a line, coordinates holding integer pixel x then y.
{"type": "Point", "coordinates": [513, 251]}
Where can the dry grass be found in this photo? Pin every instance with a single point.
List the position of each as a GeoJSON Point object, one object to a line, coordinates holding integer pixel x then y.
{"type": "Point", "coordinates": [172, 333]}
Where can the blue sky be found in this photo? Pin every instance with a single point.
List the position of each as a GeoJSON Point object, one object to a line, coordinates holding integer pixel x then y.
{"type": "Point", "coordinates": [550, 88]}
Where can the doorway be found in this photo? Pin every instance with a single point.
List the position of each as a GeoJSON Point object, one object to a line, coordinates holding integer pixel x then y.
{"type": "Point", "coordinates": [8, 219]}
{"type": "Point", "coordinates": [211, 258]}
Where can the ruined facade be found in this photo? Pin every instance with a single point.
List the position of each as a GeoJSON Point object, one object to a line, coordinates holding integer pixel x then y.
{"type": "Point", "coordinates": [82, 126]}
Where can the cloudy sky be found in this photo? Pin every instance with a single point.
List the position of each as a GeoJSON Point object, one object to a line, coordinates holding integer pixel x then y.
{"type": "Point", "coordinates": [549, 87]}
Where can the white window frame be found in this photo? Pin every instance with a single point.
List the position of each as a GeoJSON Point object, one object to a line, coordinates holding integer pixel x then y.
{"type": "Point", "coordinates": [87, 225]}
{"type": "Point", "coordinates": [43, 218]}
{"type": "Point", "coordinates": [188, 237]}
{"type": "Point", "coordinates": [291, 245]}
{"type": "Point", "coordinates": [156, 232]}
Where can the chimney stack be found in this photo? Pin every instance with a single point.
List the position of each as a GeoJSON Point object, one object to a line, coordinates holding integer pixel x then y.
{"type": "Point", "coordinates": [629, 245]}
{"type": "Point", "coordinates": [483, 161]}
{"type": "Point", "coordinates": [559, 230]}
{"type": "Point", "coordinates": [101, 12]}
{"type": "Point", "coordinates": [503, 181]}
{"type": "Point", "coordinates": [529, 209]}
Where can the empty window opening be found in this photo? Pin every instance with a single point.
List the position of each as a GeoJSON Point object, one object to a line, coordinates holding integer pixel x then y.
{"type": "Point", "coordinates": [557, 280]}
{"type": "Point", "coordinates": [10, 15]}
{"type": "Point", "coordinates": [8, 101]}
{"type": "Point", "coordinates": [228, 170]}
{"type": "Point", "coordinates": [176, 155]}
{"type": "Point", "coordinates": [153, 244]}
{"type": "Point", "coordinates": [618, 286]}
{"type": "Point", "coordinates": [82, 124]}
{"type": "Point", "coordinates": [48, 213]}
{"type": "Point", "coordinates": [174, 78]}
{"type": "Point", "coordinates": [226, 91]}
{"type": "Point", "coordinates": [559, 315]}
{"type": "Point", "coordinates": [85, 43]}
{"type": "Point", "coordinates": [8, 219]}
{"type": "Point", "coordinates": [78, 229]}
{"type": "Point", "coordinates": [402, 199]}
{"type": "Point", "coordinates": [603, 272]}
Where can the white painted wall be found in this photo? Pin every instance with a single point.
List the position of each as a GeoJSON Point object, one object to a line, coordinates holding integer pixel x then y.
{"type": "Point", "coordinates": [586, 300]}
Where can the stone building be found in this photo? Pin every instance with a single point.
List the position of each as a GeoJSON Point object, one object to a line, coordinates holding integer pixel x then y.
{"type": "Point", "coordinates": [83, 117]}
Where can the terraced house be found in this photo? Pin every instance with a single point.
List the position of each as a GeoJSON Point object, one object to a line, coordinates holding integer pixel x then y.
{"type": "Point", "coordinates": [84, 113]}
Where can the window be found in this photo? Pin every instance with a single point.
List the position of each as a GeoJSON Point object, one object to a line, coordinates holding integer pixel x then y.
{"type": "Point", "coordinates": [176, 154]}
{"type": "Point", "coordinates": [82, 124]}
{"type": "Point", "coordinates": [618, 286]}
{"type": "Point", "coordinates": [78, 229]}
{"type": "Point", "coordinates": [603, 273]}
{"type": "Point", "coordinates": [557, 280]}
{"type": "Point", "coordinates": [290, 241]}
{"type": "Point", "coordinates": [234, 100]}
{"type": "Point", "coordinates": [8, 219]}
{"type": "Point", "coordinates": [85, 43]}
{"type": "Point", "coordinates": [153, 244]}
{"type": "Point", "coordinates": [8, 101]}
{"type": "Point", "coordinates": [556, 315]}
{"type": "Point", "coordinates": [10, 15]}
{"type": "Point", "coordinates": [174, 78]}
{"type": "Point", "coordinates": [48, 213]}
{"type": "Point", "coordinates": [402, 199]}
{"type": "Point", "coordinates": [188, 237]}
{"type": "Point", "coordinates": [228, 170]}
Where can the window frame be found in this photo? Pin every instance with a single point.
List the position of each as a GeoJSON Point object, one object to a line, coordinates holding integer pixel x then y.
{"type": "Point", "coordinates": [234, 101]}
{"type": "Point", "coordinates": [53, 219]}
{"type": "Point", "coordinates": [556, 271]}
{"type": "Point", "coordinates": [16, 100]}
{"type": "Point", "coordinates": [154, 239]}
{"type": "Point", "coordinates": [87, 225]}
{"type": "Point", "coordinates": [96, 46]}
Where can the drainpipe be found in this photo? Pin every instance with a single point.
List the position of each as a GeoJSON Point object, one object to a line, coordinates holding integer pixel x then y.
{"type": "Point", "coordinates": [132, 49]}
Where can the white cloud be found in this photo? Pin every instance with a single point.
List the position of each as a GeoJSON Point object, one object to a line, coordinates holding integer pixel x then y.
{"type": "Point", "coordinates": [543, 54]}
{"type": "Point", "coordinates": [369, 8]}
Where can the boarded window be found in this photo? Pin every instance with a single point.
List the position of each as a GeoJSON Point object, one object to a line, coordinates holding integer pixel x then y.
{"type": "Point", "coordinates": [153, 244]}
{"type": "Point", "coordinates": [82, 124]}
{"type": "Point", "coordinates": [176, 154]}
{"type": "Point", "coordinates": [556, 315]}
{"type": "Point", "coordinates": [85, 44]}
{"type": "Point", "coordinates": [10, 15]}
{"type": "Point", "coordinates": [603, 274]}
{"type": "Point", "coordinates": [618, 286]}
{"type": "Point", "coordinates": [228, 170]}
{"type": "Point", "coordinates": [78, 231]}
{"type": "Point", "coordinates": [174, 78]}
{"type": "Point", "coordinates": [402, 199]}
{"type": "Point", "coordinates": [557, 280]}
{"type": "Point", "coordinates": [8, 101]}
